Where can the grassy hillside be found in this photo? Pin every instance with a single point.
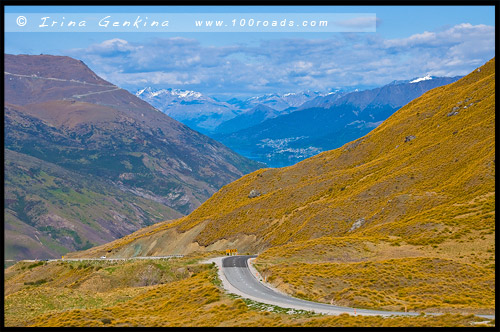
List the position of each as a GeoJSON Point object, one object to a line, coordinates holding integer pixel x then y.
{"type": "Point", "coordinates": [174, 292]}
{"type": "Point", "coordinates": [403, 217]}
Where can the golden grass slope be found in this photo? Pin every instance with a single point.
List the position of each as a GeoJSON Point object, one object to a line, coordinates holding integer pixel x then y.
{"type": "Point", "coordinates": [423, 177]}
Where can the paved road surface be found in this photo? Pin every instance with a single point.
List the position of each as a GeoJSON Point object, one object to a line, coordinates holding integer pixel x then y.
{"type": "Point", "coordinates": [236, 271]}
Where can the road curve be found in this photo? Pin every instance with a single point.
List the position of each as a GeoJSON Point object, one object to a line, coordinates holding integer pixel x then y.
{"type": "Point", "coordinates": [238, 278]}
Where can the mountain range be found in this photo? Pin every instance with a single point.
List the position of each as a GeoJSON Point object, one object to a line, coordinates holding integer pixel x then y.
{"type": "Point", "coordinates": [282, 129]}
{"type": "Point", "coordinates": [87, 162]}
{"type": "Point", "coordinates": [320, 124]}
{"type": "Point", "coordinates": [279, 101]}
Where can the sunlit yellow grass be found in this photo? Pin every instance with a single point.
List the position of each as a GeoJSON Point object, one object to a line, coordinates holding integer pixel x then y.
{"type": "Point", "coordinates": [397, 284]}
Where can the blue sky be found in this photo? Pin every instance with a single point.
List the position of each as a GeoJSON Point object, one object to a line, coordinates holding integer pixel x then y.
{"type": "Point", "coordinates": [410, 41]}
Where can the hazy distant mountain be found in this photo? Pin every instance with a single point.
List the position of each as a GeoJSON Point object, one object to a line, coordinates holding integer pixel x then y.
{"type": "Point", "coordinates": [323, 101]}
{"type": "Point", "coordinates": [334, 121]}
{"type": "Point", "coordinates": [269, 106]}
{"type": "Point", "coordinates": [249, 118]}
{"type": "Point", "coordinates": [277, 101]}
{"type": "Point", "coordinates": [87, 162]}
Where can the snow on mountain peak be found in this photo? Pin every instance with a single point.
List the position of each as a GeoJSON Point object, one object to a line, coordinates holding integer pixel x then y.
{"type": "Point", "coordinates": [425, 78]}
{"type": "Point", "coordinates": [183, 94]}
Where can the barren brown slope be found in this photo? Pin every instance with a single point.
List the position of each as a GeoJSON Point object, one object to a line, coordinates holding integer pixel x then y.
{"type": "Point", "coordinates": [426, 175]}
{"type": "Point", "coordinates": [58, 113]}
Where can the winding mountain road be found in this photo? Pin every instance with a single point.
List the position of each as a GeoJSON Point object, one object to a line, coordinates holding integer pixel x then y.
{"type": "Point", "coordinates": [237, 277]}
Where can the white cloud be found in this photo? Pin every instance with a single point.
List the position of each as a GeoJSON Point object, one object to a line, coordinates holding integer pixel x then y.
{"type": "Point", "coordinates": [455, 35]}
{"type": "Point", "coordinates": [281, 65]}
{"type": "Point", "coordinates": [113, 46]}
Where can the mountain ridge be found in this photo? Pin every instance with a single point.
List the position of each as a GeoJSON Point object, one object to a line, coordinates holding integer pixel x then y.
{"type": "Point", "coordinates": [205, 114]}
{"type": "Point", "coordinates": [360, 157]}
{"type": "Point", "coordinates": [199, 112]}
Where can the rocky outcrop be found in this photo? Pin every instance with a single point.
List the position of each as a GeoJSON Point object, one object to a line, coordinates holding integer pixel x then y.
{"type": "Point", "coordinates": [254, 193]}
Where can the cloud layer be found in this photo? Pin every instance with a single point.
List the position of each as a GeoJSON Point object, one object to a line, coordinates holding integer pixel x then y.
{"type": "Point", "coordinates": [290, 64]}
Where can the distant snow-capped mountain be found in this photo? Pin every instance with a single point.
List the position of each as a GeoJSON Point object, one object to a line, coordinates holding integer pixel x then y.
{"type": "Point", "coordinates": [192, 108]}
{"type": "Point", "coordinates": [204, 113]}
{"type": "Point", "coordinates": [184, 94]}
{"type": "Point", "coordinates": [415, 80]}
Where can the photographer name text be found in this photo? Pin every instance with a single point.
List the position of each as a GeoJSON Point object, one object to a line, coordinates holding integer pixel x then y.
{"type": "Point", "coordinates": [104, 22]}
